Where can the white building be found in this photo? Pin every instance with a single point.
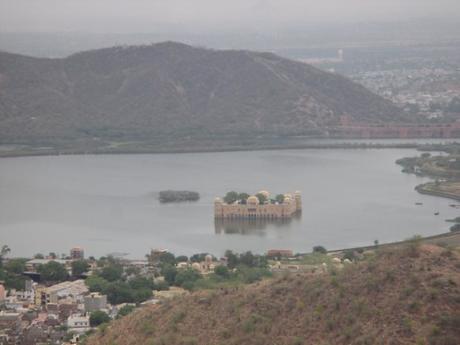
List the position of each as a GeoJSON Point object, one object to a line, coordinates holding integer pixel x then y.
{"type": "Point", "coordinates": [78, 324]}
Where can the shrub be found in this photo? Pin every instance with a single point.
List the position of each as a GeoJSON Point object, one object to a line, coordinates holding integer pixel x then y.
{"type": "Point", "coordinates": [319, 249]}
{"type": "Point", "coordinates": [349, 254]}
{"type": "Point", "coordinates": [186, 278]}
{"type": "Point", "coordinates": [169, 272]}
{"type": "Point", "coordinates": [413, 245]}
{"type": "Point", "coordinates": [97, 318]}
{"type": "Point", "coordinates": [125, 310]}
{"type": "Point", "coordinates": [222, 271]}
{"type": "Point", "coordinates": [79, 267]}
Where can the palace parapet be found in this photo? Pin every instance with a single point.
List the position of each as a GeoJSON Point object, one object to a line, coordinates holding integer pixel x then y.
{"type": "Point", "coordinates": [259, 206]}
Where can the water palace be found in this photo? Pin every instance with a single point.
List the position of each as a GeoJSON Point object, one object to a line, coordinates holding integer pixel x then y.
{"type": "Point", "coordinates": [252, 208]}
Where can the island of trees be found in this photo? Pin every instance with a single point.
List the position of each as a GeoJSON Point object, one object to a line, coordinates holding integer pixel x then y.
{"type": "Point", "coordinates": [178, 196]}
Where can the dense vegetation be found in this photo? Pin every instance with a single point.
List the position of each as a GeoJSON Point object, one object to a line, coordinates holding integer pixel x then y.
{"type": "Point", "coordinates": [232, 196]}
{"type": "Point", "coordinates": [401, 296]}
{"type": "Point", "coordinates": [178, 196]}
{"type": "Point", "coordinates": [241, 269]}
{"type": "Point", "coordinates": [11, 272]}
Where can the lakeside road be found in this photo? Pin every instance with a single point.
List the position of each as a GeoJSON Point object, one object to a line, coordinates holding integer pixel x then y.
{"type": "Point", "coordinates": [101, 151]}
{"type": "Point", "coordinates": [449, 238]}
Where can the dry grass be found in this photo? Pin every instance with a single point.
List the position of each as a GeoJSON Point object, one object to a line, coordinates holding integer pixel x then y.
{"type": "Point", "coordinates": [405, 296]}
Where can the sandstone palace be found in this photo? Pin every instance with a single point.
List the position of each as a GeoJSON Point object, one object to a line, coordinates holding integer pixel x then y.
{"type": "Point", "coordinates": [260, 205]}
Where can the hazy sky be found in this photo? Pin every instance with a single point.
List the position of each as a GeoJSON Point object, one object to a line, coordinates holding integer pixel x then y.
{"type": "Point", "coordinates": [122, 16]}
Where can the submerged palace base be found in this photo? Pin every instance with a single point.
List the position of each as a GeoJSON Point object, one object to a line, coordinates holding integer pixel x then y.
{"type": "Point", "coordinates": [246, 226]}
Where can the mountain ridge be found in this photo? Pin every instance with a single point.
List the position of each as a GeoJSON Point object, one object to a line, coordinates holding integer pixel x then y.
{"type": "Point", "coordinates": [175, 89]}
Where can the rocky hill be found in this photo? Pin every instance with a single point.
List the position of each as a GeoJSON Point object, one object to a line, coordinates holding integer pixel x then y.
{"type": "Point", "coordinates": [173, 90]}
{"type": "Point", "coordinates": [399, 296]}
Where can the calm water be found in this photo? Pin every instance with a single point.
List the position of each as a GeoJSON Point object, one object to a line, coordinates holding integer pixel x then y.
{"type": "Point", "coordinates": [108, 203]}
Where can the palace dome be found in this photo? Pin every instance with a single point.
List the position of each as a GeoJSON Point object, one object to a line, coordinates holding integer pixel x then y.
{"type": "Point", "coordinates": [265, 193]}
{"type": "Point", "coordinates": [253, 200]}
{"type": "Point", "coordinates": [218, 200]}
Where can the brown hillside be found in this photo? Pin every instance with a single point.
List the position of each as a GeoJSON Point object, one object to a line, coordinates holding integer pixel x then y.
{"type": "Point", "coordinates": [408, 296]}
{"type": "Point", "coordinates": [174, 90]}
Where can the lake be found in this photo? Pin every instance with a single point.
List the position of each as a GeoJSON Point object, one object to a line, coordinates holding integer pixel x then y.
{"type": "Point", "coordinates": [108, 203]}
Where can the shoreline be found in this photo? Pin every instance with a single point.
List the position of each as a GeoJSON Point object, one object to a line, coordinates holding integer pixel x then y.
{"type": "Point", "coordinates": [330, 146]}
{"type": "Point", "coordinates": [422, 189]}
{"type": "Point", "coordinates": [452, 237]}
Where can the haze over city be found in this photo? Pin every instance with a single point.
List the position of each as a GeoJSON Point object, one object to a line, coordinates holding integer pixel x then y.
{"type": "Point", "coordinates": [134, 16]}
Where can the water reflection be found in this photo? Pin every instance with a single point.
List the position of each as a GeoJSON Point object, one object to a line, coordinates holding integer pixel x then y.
{"type": "Point", "coordinates": [251, 226]}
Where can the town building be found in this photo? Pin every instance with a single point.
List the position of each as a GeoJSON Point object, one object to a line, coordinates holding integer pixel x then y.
{"type": "Point", "coordinates": [95, 301]}
{"type": "Point", "coordinates": [2, 294]}
{"type": "Point", "coordinates": [53, 294]}
{"type": "Point", "coordinates": [252, 208]}
{"type": "Point", "coordinates": [77, 253]}
{"type": "Point", "coordinates": [287, 253]}
{"type": "Point", "coordinates": [78, 323]}
{"type": "Point", "coordinates": [33, 264]}
{"type": "Point", "coordinates": [10, 327]}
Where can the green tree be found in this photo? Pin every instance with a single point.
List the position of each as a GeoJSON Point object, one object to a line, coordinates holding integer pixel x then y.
{"type": "Point", "coordinates": [141, 295]}
{"type": "Point", "coordinates": [198, 257]}
{"type": "Point", "coordinates": [167, 258]}
{"type": "Point", "coordinates": [141, 283]}
{"type": "Point", "coordinates": [232, 259]}
{"type": "Point", "coordinates": [79, 267]}
{"type": "Point", "coordinates": [11, 274]}
{"type": "Point", "coordinates": [349, 254]}
{"type": "Point", "coordinates": [125, 310]}
{"type": "Point", "coordinates": [97, 318]}
{"type": "Point", "coordinates": [112, 272]}
{"type": "Point", "coordinates": [132, 270]}
{"type": "Point", "coordinates": [222, 271]}
{"type": "Point", "coordinates": [262, 198]}
{"type": "Point", "coordinates": [52, 272]}
{"type": "Point", "coordinates": [319, 249]}
{"type": "Point", "coordinates": [102, 261]}
{"type": "Point", "coordinates": [187, 277]}
{"type": "Point", "coordinates": [231, 197]}
{"type": "Point", "coordinates": [279, 198]}
{"type": "Point", "coordinates": [4, 251]}
{"type": "Point", "coordinates": [119, 292]}
{"type": "Point", "coordinates": [16, 266]}
{"type": "Point", "coordinates": [181, 258]}
{"type": "Point", "coordinates": [243, 197]}
{"type": "Point", "coordinates": [39, 256]}
{"type": "Point", "coordinates": [14, 281]}
{"type": "Point", "coordinates": [96, 283]}
{"type": "Point", "coordinates": [247, 259]}
{"type": "Point", "coordinates": [169, 272]}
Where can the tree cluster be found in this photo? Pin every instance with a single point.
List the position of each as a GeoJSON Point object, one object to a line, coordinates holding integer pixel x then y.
{"type": "Point", "coordinates": [11, 272]}
{"type": "Point", "coordinates": [119, 288]}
